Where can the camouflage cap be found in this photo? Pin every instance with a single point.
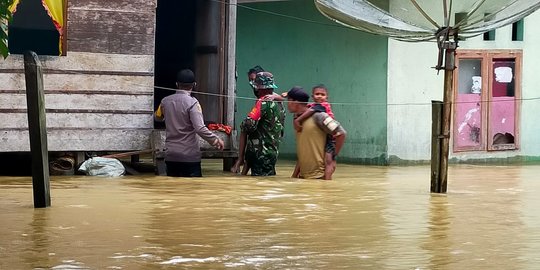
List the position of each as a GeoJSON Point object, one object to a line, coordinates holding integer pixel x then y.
{"type": "Point", "coordinates": [264, 80]}
{"type": "Point", "coordinates": [255, 69]}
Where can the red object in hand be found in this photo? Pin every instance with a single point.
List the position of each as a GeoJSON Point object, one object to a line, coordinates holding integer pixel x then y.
{"type": "Point", "coordinates": [220, 127]}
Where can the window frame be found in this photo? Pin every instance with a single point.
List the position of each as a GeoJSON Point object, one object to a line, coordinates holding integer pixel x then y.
{"type": "Point", "coordinates": [518, 29]}
{"type": "Point", "coordinates": [64, 33]}
{"type": "Point", "coordinates": [64, 30]}
{"type": "Point", "coordinates": [517, 55]}
{"type": "Point", "coordinates": [487, 59]}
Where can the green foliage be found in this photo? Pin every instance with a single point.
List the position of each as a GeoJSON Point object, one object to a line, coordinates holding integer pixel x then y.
{"type": "Point", "coordinates": [5, 17]}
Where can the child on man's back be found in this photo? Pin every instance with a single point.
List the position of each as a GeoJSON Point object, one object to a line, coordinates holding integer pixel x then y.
{"type": "Point", "coordinates": [319, 93]}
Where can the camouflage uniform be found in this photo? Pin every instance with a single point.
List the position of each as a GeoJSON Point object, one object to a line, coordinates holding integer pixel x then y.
{"type": "Point", "coordinates": [263, 138]}
{"type": "Point", "coordinates": [264, 129]}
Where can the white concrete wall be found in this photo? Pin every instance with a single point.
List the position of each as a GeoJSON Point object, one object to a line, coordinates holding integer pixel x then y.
{"type": "Point", "coordinates": [530, 109]}
{"type": "Point", "coordinates": [412, 81]}
{"type": "Point", "coordinates": [412, 84]}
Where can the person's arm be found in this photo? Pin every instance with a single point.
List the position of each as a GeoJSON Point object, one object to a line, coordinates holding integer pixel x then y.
{"type": "Point", "coordinates": [242, 145]}
{"type": "Point", "coordinates": [274, 97]}
{"type": "Point", "coordinates": [296, 172]}
{"type": "Point", "coordinates": [248, 125]}
{"type": "Point", "coordinates": [340, 134]}
{"type": "Point", "coordinates": [332, 127]}
{"type": "Point", "coordinates": [251, 122]}
{"type": "Point", "coordinates": [195, 114]}
{"type": "Point", "coordinates": [297, 122]}
{"type": "Point", "coordinates": [241, 153]}
{"type": "Point", "coordinates": [307, 114]}
{"type": "Point", "coordinates": [158, 115]}
{"type": "Point", "coordinates": [245, 169]}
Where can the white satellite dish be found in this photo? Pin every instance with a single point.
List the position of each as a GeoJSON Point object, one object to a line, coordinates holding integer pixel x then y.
{"type": "Point", "coordinates": [421, 20]}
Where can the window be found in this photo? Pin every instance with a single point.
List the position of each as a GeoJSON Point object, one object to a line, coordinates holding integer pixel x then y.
{"type": "Point", "coordinates": [517, 30]}
{"type": "Point", "coordinates": [490, 35]}
{"type": "Point", "coordinates": [486, 101]}
{"type": "Point", "coordinates": [38, 26]}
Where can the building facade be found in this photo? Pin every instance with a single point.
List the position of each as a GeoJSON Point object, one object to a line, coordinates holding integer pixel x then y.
{"type": "Point", "coordinates": [119, 55]}
{"type": "Point", "coordinates": [301, 47]}
{"type": "Point", "coordinates": [495, 100]}
{"type": "Point", "coordinates": [98, 83]}
{"type": "Point", "coordinates": [494, 104]}
{"type": "Point", "coordinates": [108, 64]}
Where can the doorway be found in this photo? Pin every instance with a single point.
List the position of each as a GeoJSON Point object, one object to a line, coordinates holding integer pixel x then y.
{"type": "Point", "coordinates": [190, 34]}
{"type": "Point", "coordinates": [174, 45]}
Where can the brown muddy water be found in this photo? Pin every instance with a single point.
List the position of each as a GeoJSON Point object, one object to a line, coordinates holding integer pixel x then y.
{"type": "Point", "coordinates": [366, 218]}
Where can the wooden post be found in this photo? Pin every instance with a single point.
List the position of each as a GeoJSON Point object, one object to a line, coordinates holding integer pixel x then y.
{"type": "Point", "coordinates": [37, 130]}
{"type": "Point", "coordinates": [436, 126]}
{"type": "Point", "coordinates": [447, 51]}
{"type": "Point", "coordinates": [208, 51]}
{"type": "Point", "coordinates": [158, 150]}
{"type": "Point", "coordinates": [231, 64]}
{"type": "Point", "coordinates": [228, 162]}
{"type": "Point", "coordinates": [449, 66]}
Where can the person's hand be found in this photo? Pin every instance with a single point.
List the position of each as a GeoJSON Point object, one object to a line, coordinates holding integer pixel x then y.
{"type": "Point", "coordinates": [273, 97]}
{"type": "Point", "coordinates": [268, 98]}
{"type": "Point", "coordinates": [297, 125]}
{"type": "Point", "coordinates": [218, 143]}
{"type": "Point", "coordinates": [236, 167]}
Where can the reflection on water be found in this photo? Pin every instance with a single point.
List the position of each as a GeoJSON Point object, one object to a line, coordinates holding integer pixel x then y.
{"type": "Point", "coordinates": [367, 218]}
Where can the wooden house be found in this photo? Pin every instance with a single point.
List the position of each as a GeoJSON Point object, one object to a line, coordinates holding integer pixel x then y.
{"type": "Point", "coordinates": [108, 63]}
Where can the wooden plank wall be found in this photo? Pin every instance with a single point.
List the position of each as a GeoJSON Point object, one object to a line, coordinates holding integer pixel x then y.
{"type": "Point", "coordinates": [99, 97]}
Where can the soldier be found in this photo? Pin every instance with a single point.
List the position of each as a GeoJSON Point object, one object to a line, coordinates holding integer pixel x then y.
{"type": "Point", "coordinates": [252, 74]}
{"type": "Point", "coordinates": [264, 128]}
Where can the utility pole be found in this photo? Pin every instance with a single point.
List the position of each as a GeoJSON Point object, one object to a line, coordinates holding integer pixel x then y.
{"type": "Point", "coordinates": [439, 161]}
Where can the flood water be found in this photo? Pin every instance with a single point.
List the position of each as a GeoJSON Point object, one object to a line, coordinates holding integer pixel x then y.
{"type": "Point", "coordinates": [366, 218]}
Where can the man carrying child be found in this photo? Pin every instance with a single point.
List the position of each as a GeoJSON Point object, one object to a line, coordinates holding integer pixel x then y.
{"type": "Point", "coordinates": [319, 137]}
